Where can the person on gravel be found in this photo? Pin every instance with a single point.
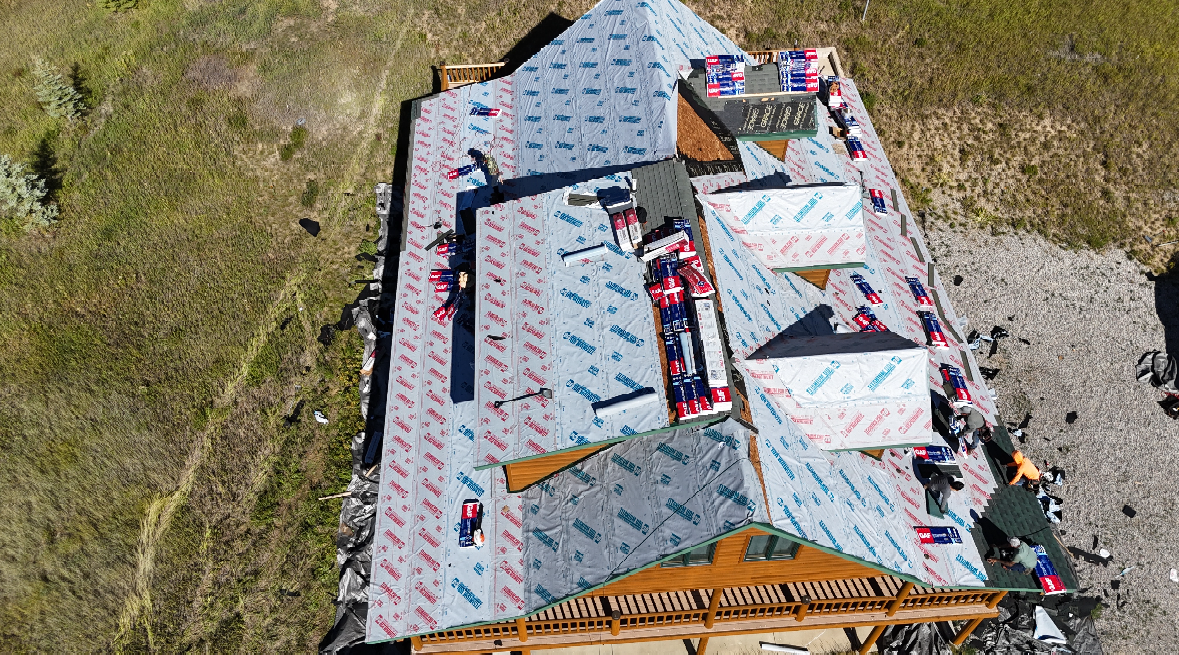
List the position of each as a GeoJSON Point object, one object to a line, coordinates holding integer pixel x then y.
{"type": "Point", "coordinates": [1024, 469]}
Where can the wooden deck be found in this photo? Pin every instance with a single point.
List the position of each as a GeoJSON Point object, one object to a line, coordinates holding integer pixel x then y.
{"type": "Point", "coordinates": [692, 613]}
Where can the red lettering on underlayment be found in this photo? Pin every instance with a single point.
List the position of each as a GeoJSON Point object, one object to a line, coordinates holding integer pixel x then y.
{"type": "Point", "coordinates": [908, 424]}
{"type": "Point", "coordinates": [838, 242]}
{"type": "Point", "coordinates": [495, 344]}
{"type": "Point", "coordinates": [512, 518]}
{"type": "Point", "coordinates": [495, 441]}
{"type": "Point", "coordinates": [511, 595]}
{"type": "Point", "coordinates": [429, 538]}
{"type": "Point", "coordinates": [396, 468]}
{"type": "Point", "coordinates": [854, 422]}
{"type": "Point", "coordinates": [532, 348]}
{"type": "Point", "coordinates": [425, 617]}
{"type": "Point", "coordinates": [405, 400]}
{"type": "Point", "coordinates": [429, 457]}
{"type": "Point", "coordinates": [532, 375]}
{"type": "Point", "coordinates": [432, 488]}
{"type": "Point", "coordinates": [393, 596]}
{"type": "Point", "coordinates": [432, 508]}
{"type": "Point", "coordinates": [386, 564]}
{"type": "Point", "coordinates": [511, 572]}
{"type": "Point", "coordinates": [877, 421]}
{"type": "Point", "coordinates": [383, 624]}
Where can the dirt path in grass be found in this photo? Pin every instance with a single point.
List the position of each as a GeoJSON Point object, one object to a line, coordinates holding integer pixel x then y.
{"type": "Point", "coordinates": [158, 517]}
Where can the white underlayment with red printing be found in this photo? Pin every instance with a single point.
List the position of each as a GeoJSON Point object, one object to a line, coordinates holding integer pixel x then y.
{"type": "Point", "coordinates": [585, 332]}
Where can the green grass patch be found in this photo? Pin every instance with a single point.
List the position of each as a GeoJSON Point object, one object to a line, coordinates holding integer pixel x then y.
{"type": "Point", "coordinates": [310, 193]}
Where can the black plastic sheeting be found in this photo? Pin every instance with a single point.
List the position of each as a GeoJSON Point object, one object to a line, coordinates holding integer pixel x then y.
{"type": "Point", "coordinates": [1159, 369]}
{"type": "Point", "coordinates": [1013, 631]}
{"type": "Point", "coordinates": [915, 639]}
{"type": "Point", "coordinates": [354, 541]}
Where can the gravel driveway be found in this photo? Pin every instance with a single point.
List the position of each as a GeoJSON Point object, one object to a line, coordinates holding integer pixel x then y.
{"type": "Point", "coordinates": [1079, 320]}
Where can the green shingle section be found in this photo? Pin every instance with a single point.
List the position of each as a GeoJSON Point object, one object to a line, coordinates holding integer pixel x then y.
{"type": "Point", "coordinates": [1016, 512]}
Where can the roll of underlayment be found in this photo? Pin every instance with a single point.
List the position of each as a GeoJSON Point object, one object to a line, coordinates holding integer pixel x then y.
{"type": "Point", "coordinates": [583, 257]}
{"type": "Point", "coordinates": [619, 404]}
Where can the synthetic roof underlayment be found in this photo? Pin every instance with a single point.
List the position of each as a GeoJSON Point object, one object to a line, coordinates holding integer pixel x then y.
{"type": "Point", "coordinates": [429, 460]}
{"type": "Point", "coordinates": [797, 227]}
{"type": "Point", "coordinates": [584, 331]}
{"type": "Point", "coordinates": [603, 94]}
{"type": "Point", "coordinates": [849, 391]}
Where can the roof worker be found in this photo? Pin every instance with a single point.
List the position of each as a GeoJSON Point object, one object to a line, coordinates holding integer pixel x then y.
{"type": "Point", "coordinates": [940, 485]}
{"type": "Point", "coordinates": [1021, 558]}
{"type": "Point", "coordinates": [1025, 468]}
{"type": "Point", "coordinates": [977, 438]}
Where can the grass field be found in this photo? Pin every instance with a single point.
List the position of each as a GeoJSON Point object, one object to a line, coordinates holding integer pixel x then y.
{"type": "Point", "coordinates": [156, 497]}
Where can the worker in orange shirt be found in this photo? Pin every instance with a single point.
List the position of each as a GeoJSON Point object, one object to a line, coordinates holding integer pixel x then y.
{"type": "Point", "coordinates": [1025, 468]}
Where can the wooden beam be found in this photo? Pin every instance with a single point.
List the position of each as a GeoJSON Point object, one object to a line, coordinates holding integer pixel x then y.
{"type": "Point", "coordinates": [615, 623]}
{"type": "Point", "coordinates": [802, 611]}
{"type": "Point", "coordinates": [702, 647]}
{"type": "Point", "coordinates": [415, 642]}
{"type": "Point", "coordinates": [713, 604]}
{"type": "Point", "coordinates": [965, 632]}
{"type": "Point", "coordinates": [871, 640]}
{"type": "Point", "coordinates": [900, 598]}
{"type": "Point", "coordinates": [994, 602]}
{"type": "Point", "coordinates": [521, 629]}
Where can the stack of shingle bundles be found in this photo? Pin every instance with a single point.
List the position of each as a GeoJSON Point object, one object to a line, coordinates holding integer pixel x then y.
{"type": "Point", "coordinates": [691, 338]}
{"type": "Point", "coordinates": [724, 75]}
{"type": "Point", "coordinates": [799, 70]}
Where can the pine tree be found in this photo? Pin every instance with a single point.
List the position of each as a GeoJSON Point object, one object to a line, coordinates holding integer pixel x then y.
{"type": "Point", "coordinates": [59, 99]}
{"type": "Point", "coordinates": [21, 196]}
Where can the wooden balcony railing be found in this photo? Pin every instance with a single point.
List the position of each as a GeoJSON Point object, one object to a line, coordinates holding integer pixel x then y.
{"type": "Point", "coordinates": [763, 56]}
{"type": "Point", "coordinates": [590, 619]}
{"type": "Point", "coordinates": [456, 76]}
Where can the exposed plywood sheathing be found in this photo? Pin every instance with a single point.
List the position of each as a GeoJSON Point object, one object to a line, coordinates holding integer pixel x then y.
{"type": "Point", "coordinates": [530, 471]}
{"type": "Point", "coordinates": [693, 138]}
{"type": "Point", "coordinates": [816, 276]}
{"type": "Point", "coordinates": [775, 148]}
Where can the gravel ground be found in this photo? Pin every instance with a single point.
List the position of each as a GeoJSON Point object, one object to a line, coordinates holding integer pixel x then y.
{"type": "Point", "coordinates": [1086, 317]}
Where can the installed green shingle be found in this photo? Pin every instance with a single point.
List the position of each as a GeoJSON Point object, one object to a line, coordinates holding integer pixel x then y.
{"type": "Point", "coordinates": [1016, 512]}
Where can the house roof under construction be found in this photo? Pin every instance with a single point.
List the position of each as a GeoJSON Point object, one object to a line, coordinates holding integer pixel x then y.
{"type": "Point", "coordinates": [518, 167]}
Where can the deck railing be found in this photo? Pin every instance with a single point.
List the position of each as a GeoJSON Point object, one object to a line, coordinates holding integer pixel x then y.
{"type": "Point", "coordinates": [693, 611]}
{"type": "Point", "coordinates": [456, 76]}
